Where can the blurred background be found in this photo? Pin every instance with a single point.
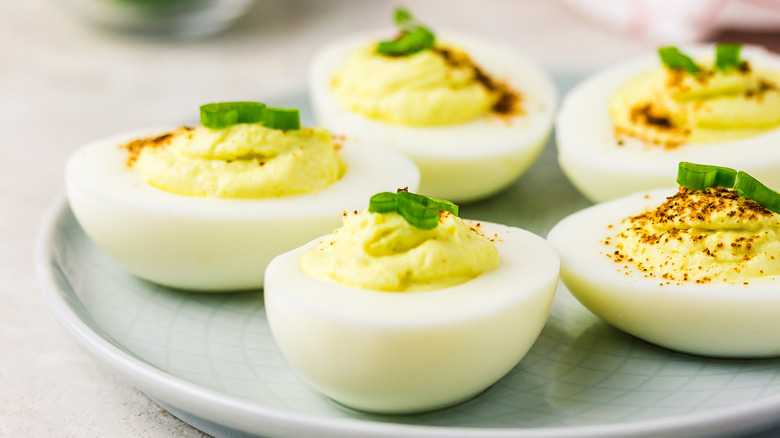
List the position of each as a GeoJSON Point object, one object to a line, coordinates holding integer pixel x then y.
{"type": "Point", "coordinates": [72, 71]}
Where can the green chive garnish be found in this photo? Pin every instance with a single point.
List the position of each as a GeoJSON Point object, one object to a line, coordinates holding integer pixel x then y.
{"type": "Point", "coordinates": [224, 114]}
{"type": "Point", "coordinates": [384, 202]}
{"type": "Point", "coordinates": [414, 37]}
{"type": "Point", "coordinates": [286, 119]}
{"type": "Point", "coordinates": [418, 210]}
{"type": "Point", "coordinates": [749, 187]}
{"type": "Point", "coordinates": [727, 56]}
{"type": "Point", "coordinates": [425, 218]}
{"type": "Point", "coordinates": [673, 59]}
{"type": "Point", "coordinates": [426, 201]}
{"type": "Point", "coordinates": [220, 115]}
{"type": "Point", "coordinates": [700, 176]}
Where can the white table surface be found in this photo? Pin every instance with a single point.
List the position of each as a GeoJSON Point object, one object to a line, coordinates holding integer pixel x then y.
{"type": "Point", "coordinates": [63, 83]}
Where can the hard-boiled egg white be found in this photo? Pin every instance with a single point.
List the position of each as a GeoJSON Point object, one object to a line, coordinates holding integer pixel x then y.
{"type": "Point", "coordinates": [603, 168]}
{"type": "Point", "coordinates": [461, 162]}
{"type": "Point", "coordinates": [398, 352]}
{"type": "Point", "coordinates": [712, 319]}
{"type": "Point", "coordinates": [210, 244]}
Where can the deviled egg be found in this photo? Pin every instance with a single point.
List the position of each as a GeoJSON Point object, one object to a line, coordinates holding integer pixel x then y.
{"type": "Point", "coordinates": [625, 129]}
{"type": "Point", "coordinates": [384, 316]}
{"type": "Point", "coordinates": [206, 208]}
{"type": "Point", "coordinates": [471, 114]}
{"type": "Point", "coordinates": [695, 269]}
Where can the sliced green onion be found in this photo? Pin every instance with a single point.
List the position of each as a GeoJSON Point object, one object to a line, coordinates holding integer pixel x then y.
{"type": "Point", "coordinates": [224, 114]}
{"type": "Point", "coordinates": [414, 37]}
{"type": "Point", "coordinates": [428, 202]}
{"type": "Point", "coordinates": [749, 187]}
{"type": "Point", "coordinates": [384, 202]}
{"type": "Point", "coordinates": [218, 119]}
{"type": "Point", "coordinates": [408, 43]}
{"type": "Point", "coordinates": [282, 118]}
{"type": "Point", "coordinates": [700, 176]}
{"type": "Point", "coordinates": [444, 205]}
{"type": "Point", "coordinates": [220, 115]}
{"type": "Point", "coordinates": [673, 59]}
{"type": "Point", "coordinates": [418, 210]}
{"type": "Point", "coordinates": [727, 56]}
{"type": "Point", "coordinates": [418, 215]}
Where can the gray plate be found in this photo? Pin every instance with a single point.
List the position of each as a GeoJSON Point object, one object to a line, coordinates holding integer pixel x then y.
{"type": "Point", "coordinates": [211, 360]}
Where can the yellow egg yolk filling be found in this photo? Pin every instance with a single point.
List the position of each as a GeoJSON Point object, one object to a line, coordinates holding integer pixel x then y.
{"type": "Point", "coordinates": [240, 161]}
{"type": "Point", "coordinates": [381, 251]}
{"type": "Point", "coordinates": [711, 235]}
{"type": "Point", "coordinates": [670, 107]}
{"type": "Point", "coordinates": [435, 87]}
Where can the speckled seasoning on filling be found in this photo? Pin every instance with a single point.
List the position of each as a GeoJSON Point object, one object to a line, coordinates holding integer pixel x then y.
{"type": "Point", "coordinates": [704, 236]}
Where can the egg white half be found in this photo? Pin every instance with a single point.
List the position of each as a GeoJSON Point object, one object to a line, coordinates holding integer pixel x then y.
{"type": "Point", "coordinates": [711, 319]}
{"type": "Point", "coordinates": [461, 162]}
{"type": "Point", "coordinates": [602, 170]}
{"type": "Point", "coordinates": [403, 352]}
{"type": "Point", "coordinates": [210, 244]}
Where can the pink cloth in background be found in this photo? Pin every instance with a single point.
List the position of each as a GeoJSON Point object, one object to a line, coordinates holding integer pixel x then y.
{"type": "Point", "coordinates": [681, 21]}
